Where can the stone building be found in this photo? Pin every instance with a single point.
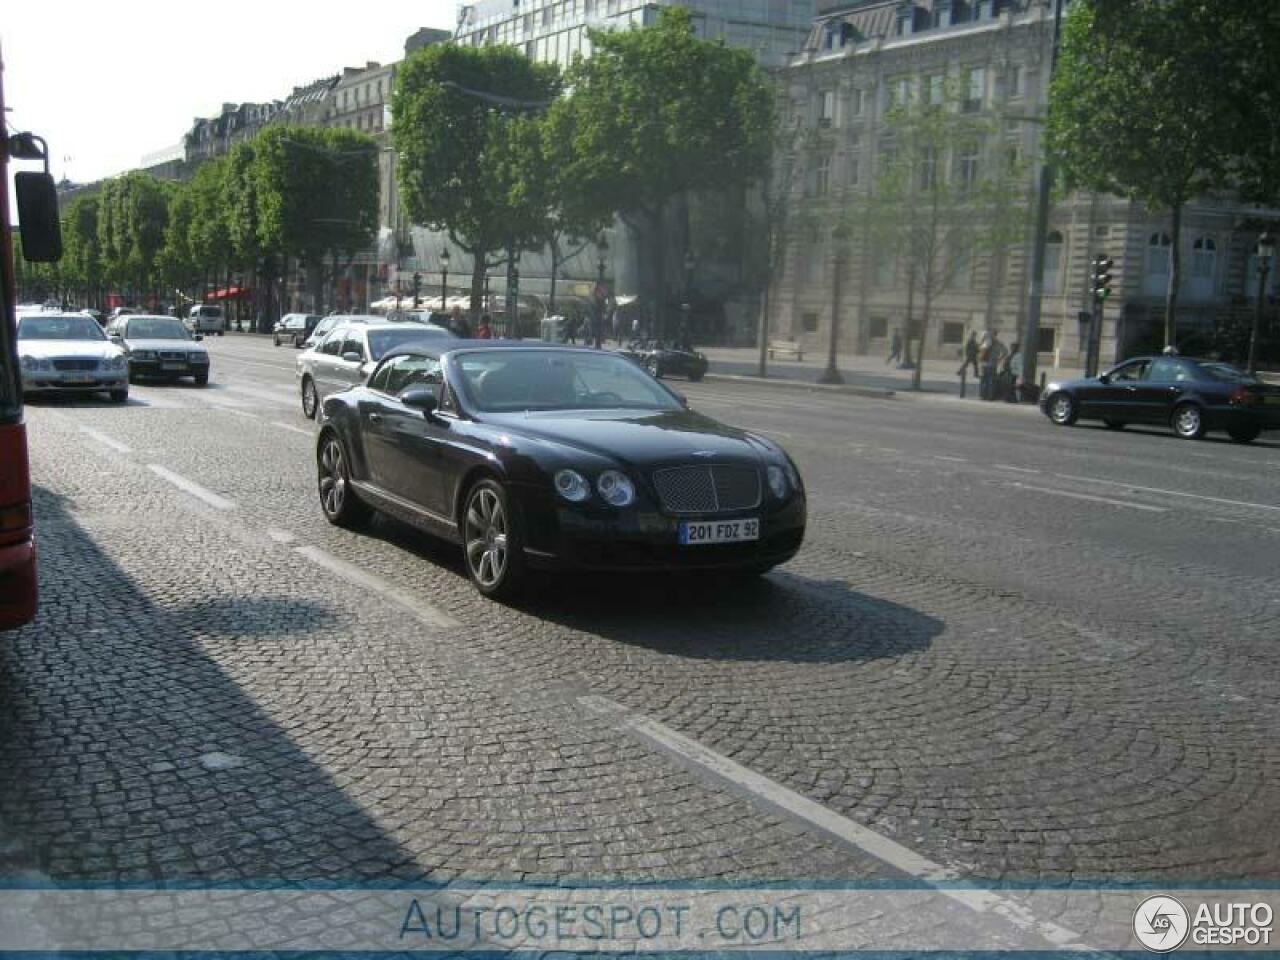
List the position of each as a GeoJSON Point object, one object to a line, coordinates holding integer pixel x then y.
{"type": "Point", "coordinates": [862, 58]}
{"type": "Point", "coordinates": [235, 123]}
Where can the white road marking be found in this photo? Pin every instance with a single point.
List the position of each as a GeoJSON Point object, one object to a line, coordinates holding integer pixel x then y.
{"type": "Point", "coordinates": [1091, 498]}
{"type": "Point", "coordinates": [938, 456]}
{"type": "Point", "coordinates": [191, 487]}
{"type": "Point", "coordinates": [1005, 466]}
{"type": "Point", "coordinates": [1173, 493]}
{"type": "Point", "coordinates": [851, 832]}
{"type": "Point", "coordinates": [106, 441]}
{"type": "Point", "coordinates": [289, 426]}
{"type": "Point", "coordinates": [430, 615]}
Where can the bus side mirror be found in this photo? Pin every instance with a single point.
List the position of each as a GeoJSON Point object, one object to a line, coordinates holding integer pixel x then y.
{"type": "Point", "coordinates": [38, 217]}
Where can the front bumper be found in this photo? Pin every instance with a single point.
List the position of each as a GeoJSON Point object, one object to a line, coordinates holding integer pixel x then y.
{"type": "Point", "coordinates": [562, 537]}
{"type": "Point", "coordinates": [166, 368]}
{"type": "Point", "coordinates": [64, 381]}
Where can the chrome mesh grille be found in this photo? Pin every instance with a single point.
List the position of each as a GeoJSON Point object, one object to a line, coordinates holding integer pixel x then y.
{"type": "Point", "coordinates": [75, 363]}
{"type": "Point", "coordinates": [708, 489]}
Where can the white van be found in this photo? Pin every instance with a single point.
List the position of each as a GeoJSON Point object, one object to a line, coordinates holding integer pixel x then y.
{"type": "Point", "coordinates": [205, 318]}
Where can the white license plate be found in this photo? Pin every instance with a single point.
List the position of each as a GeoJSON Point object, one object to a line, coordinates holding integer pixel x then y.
{"type": "Point", "coordinates": [79, 381]}
{"type": "Point", "coordinates": [695, 533]}
{"type": "Point", "coordinates": [173, 366]}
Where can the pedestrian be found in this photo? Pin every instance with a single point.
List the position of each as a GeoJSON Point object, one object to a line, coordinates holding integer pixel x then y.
{"type": "Point", "coordinates": [572, 322]}
{"type": "Point", "coordinates": [457, 325]}
{"type": "Point", "coordinates": [895, 346]}
{"type": "Point", "coordinates": [1013, 371]}
{"type": "Point", "coordinates": [484, 331]}
{"type": "Point", "coordinates": [970, 355]}
{"type": "Point", "coordinates": [635, 326]}
{"type": "Point", "coordinates": [995, 354]}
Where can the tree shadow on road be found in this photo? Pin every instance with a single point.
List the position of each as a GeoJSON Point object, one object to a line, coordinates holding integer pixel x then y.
{"type": "Point", "coordinates": [784, 616]}
{"type": "Point", "coordinates": [111, 703]}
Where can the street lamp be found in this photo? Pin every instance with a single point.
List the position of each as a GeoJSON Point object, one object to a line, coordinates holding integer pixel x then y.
{"type": "Point", "coordinates": [444, 276]}
{"type": "Point", "coordinates": [832, 372]}
{"type": "Point", "coordinates": [686, 305]}
{"type": "Point", "coordinates": [1265, 251]}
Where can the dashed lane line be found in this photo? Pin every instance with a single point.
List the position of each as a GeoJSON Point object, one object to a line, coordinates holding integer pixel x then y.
{"type": "Point", "coordinates": [773, 794]}
{"type": "Point", "coordinates": [431, 615]}
{"type": "Point", "coordinates": [106, 441]}
{"type": "Point", "coordinates": [1092, 499]}
{"type": "Point", "coordinates": [1173, 493]}
{"type": "Point", "coordinates": [1007, 466]}
{"type": "Point", "coordinates": [291, 428]}
{"type": "Point", "coordinates": [191, 487]}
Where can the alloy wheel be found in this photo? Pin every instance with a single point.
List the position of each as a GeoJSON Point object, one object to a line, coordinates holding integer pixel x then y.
{"type": "Point", "coordinates": [333, 478]}
{"type": "Point", "coordinates": [486, 538]}
{"type": "Point", "coordinates": [1186, 421]}
{"type": "Point", "coordinates": [1061, 408]}
{"type": "Point", "coordinates": [310, 400]}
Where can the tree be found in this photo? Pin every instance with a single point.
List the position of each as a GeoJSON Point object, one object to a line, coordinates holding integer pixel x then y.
{"type": "Point", "coordinates": [940, 197]}
{"type": "Point", "coordinates": [131, 224]}
{"type": "Point", "coordinates": [465, 153]}
{"type": "Point", "coordinates": [656, 113]}
{"type": "Point", "coordinates": [315, 192]}
{"type": "Point", "coordinates": [1246, 82]}
{"type": "Point", "coordinates": [1135, 107]}
{"type": "Point", "coordinates": [82, 257]}
{"type": "Point", "coordinates": [208, 237]}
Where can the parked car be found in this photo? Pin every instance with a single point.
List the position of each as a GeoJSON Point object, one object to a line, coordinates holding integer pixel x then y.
{"type": "Point", "coordinates": [159, 346]}
{"type": "Point", "coordinates": [207, 318]}
{"type": "Point", "coordinates": [536, 456]}
{"type": "Point", "coordinates": [344, 358]}
{"type": "Point", "coordinates": [1190, 396]}
{"type": "Point", "coordinates": [69, 353]}
{"type": "Point", "coordinates": [667, 359]}
{"type": "Point", "coordinates": [295, 328]}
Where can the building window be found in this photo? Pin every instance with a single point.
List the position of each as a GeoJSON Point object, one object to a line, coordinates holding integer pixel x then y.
{"type": "Point", "coordinates": [899, 93]}
{"type": "Point", "coordinates": [827, 108]}
{"type": "Point", "coordinates": [1053, 263]}
{"type": "Point", "coordinates": [813, 256]}
{"type": "Point", "coordinates": [928, 168]}
{"type": "Point", "coordinates": [820, 176]}
{"type": "Point", "coordinates": [1159, 247]}
{"type": "Point", "coordinates": [960, 267]}
{"type": "Point", "coordinates": [967, 165]}
{"type": "Point", "coordinates": [1204, 255]}
{"type": "Point", "coordinates": [878, 328]}
{"type": "Point", "coordinates": [888, 153]}
{"type": "Point", "coordinates": [937, 87]}
{"type": "Point", "coordinates": [808, 322]}
{"type": "Point", "coordinates": [942, 13]}
{"type": "Point", "coordinates": [975, 89]}
{"type": "Point", "coordinates": [858, 102]}
{"type": "Point", "coordinates": [952, 334]}
{"type": "Point", "coordinates": [1048, 340]}
{"type": "Point", "coordinates": [855, 160]}
{"type": "Point", "coordinates": [883, 268]}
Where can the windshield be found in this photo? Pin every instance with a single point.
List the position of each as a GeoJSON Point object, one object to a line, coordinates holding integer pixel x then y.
{"type": "Point", "coordinates": [1225, 373]}
{"type": "Point", "coordinates": [156, 328]}
{"type": "Point", "coordinates": [58, 328]}
{"type": "Point", "coordinates": [380, 341]}
{"type": "Point", "coordinates": [507, 380]}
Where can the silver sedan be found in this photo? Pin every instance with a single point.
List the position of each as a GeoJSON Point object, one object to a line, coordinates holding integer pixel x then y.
{"type": "Point", "coordinates": [69, 352]}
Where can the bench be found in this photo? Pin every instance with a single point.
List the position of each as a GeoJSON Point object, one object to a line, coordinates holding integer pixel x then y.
{"type": "Point", "coordinates": [787, 349]}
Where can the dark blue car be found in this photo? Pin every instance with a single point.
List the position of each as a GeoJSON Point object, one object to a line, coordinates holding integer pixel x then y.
{"type": "Point", "coordinates": [1190, 396]}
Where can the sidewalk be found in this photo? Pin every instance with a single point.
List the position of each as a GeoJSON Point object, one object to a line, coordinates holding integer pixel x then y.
{"type": "Point", "coordinates": [870, 372]}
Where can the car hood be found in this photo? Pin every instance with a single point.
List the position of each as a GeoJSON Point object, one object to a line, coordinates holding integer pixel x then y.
{"type": "Point", "coordinates": [639, 438]}
{"type": "Point", "coordinates": [68, 348]}
{"type": "Point", "coordinates": [163, 344]}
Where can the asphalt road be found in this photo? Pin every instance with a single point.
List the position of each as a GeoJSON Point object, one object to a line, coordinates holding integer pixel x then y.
{"type": "Point", "coordinates": [1021, 652]}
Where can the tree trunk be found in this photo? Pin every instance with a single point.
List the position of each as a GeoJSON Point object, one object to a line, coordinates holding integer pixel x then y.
{"type": "Point", "coordinates": [918, 372]}
{"type": "Point", "coordinates": [1175, 278]}
{"type": "Point", "coordinates": [555, 268]}
{"type": "Point", "coordinates": [479, 271]}
{"type": "Point", "coordinates": [658, 274]}
{"type": "Point", "coordinates": [906, 334]}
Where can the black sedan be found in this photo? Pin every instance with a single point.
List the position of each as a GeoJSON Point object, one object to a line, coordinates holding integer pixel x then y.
{"type": "Point", "coordinates": [535, 456]}
{"type": "Point", "coordinates": [1190, 396]}
{"type": "Point", "coordinates": [663, 360]}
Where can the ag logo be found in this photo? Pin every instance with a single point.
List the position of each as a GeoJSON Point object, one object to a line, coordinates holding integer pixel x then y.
{"type": "Point", "coordinates": [1161, 924]}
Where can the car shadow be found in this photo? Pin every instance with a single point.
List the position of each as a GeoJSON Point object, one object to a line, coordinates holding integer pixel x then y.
{"type": "Point", "coordinates": [1157, 432]}
{"type": "Point", "coordinates": [132, 755]}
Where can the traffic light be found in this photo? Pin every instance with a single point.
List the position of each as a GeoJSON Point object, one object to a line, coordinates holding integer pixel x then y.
{"type": "Point", "coordinates": [417, 288]}
{"type": "Point", "coordinates": [1102, 265]}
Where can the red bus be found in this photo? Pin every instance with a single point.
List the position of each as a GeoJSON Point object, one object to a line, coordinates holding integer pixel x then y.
{"type": "Point", "coordinates": [42, 242]}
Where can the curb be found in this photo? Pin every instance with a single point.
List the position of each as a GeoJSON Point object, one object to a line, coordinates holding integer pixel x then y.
{"type": "Point", "coordinates": [873, 392]}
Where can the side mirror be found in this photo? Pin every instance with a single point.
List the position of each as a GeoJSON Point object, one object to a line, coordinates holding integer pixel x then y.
{"type": "Point", "coordinates": [1104, 378]}
{"type": "Point", "coordinates": [352, 357]}
{"type": "Point", "coordinates": [115, 336]}
{"type": "Point", "coordinates": [419, 396]}
{"type": "Point", "coordinates": [199, 337]}
{"type": "Point", "coordinates": [38, 216]}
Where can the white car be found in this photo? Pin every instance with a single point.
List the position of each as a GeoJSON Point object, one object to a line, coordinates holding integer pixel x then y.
{"type": "Point", "coordinates": [206, 318]}
{"type": "Point", "coordinates": [69, 352]}
{"type": "Point", "coordinates": [349, 352]}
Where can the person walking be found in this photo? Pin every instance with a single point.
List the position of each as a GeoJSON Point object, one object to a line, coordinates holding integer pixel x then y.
{"type": "Point", "coordinates": [970, 356]}
{"type": "Point", "coordinates": [994, 359]}
{"type": "Point", "coordinates": [895, 346]}
{"type": "Point", "coordinates": [484, 331]}
{"type": "Point", "coordinates": [1013, 367]}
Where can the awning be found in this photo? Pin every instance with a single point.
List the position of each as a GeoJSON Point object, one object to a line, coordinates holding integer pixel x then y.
{"type": "Point", "coordinates": [229, 293]}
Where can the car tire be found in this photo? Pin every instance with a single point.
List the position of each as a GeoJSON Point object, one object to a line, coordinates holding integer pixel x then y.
{"type": "Point", "coordinates": [492, 545]}
{"type": "Point", "coordinates": [298, 342]}
{"type": "Point", "coordinates": [133, 377]}
{"type": "Point", "coordinates": [1063, 409]}
{"type": "Point", "coordinates": [1187, 421]}
{"type": "Point", "coordinates": [1246, 434]}
{"type": "Point", "coordinates": [310, 398]}
{"type": "Point", "coordinates": [338, 501]}
{"type": "Point", "coordinates": [119, 396]}
{"type": "Point", "coordinates": [696, 375]}
{"type": "Point", "coordinates": [276, 339]}
{"type": "Point", "coordinates": [1114, 424]}
{"type": "Point", "coordinates": [202, 379]}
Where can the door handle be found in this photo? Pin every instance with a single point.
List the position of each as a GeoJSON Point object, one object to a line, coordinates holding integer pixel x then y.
{"type": "Point", "coordinates": [375, 418]}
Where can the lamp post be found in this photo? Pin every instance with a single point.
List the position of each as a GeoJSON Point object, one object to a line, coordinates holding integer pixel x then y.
{"type": "Point", "coordinates": [601, 298]}
{"type": "Point", "coordinates": [1266, 250]}
{"type": "Point", "coordinates": [444, 277]}
{"type": "Point", "coordinates": [686, 304]}
{"type": "Point", "coordinates": [832, 372]}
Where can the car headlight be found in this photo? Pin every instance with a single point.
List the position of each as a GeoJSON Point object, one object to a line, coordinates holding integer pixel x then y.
{"type": "Point", "coordinates": [777, 481]}
{"type": "Point", "coordinates": [37, 363]}
{"type": "Point", "coordinates": [572, 485]}
{"type": "Point", "coordinates": [793, 475]}
{"type": "Point", "coordinates": [197, 358]}
{"type": "Point", "coordinates": [616, 488]}
{"type": "Point", "coordinates": [143, 354]}
{"type": "Point", "coordinates": [114, 363]}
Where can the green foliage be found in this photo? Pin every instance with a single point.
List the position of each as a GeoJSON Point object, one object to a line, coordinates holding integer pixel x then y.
{"type": "Point", "coordinates": [133, 213]}
{"type": "Point", "coordinates": [82, 258]}
{"type": "Point", "coordinates": [1247, 81]}
{"type": "Point", "coordinates": [466, 164]}
{"type": "Point", "coordinates": [656, 112]}
{"type": "Point", "coordinates": [208, 238]}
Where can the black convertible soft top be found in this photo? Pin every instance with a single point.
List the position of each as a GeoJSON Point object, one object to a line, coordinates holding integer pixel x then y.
{"type": "Point", "coordinates": [439, 347]}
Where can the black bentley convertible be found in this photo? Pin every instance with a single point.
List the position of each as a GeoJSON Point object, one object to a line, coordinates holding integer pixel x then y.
{"type": "Point", "coordinates": [667, 359]}
{"type": "Point", "coordinates": [533, 456]}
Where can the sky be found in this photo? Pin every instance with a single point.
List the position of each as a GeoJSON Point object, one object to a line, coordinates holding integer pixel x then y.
{"type": "Point", "coordinates": [107, 82]}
